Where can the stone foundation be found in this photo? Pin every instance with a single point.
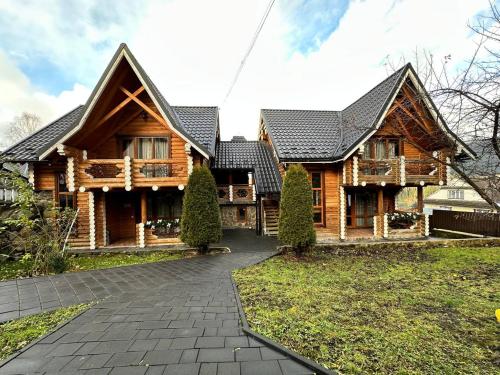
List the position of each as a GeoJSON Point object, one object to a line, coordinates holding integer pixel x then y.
{"type": "Point", "coordinates": [230, 216]}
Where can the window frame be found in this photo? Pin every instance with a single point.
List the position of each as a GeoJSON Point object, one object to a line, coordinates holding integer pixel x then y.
{"type": "Point", "coordinates": [456, 194]}
{"type": "Point", "coordinates": [321, 190]}
{"type": "Point", "coordinates": [135, 141]}
{"type": "Point", "coordinates": [66, 194]}
{"type": "Point", "coordinates": [372, 145]}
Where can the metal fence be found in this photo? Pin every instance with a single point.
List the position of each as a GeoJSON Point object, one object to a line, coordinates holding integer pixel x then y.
{"type": "Point", "coordinates": [486, 224]}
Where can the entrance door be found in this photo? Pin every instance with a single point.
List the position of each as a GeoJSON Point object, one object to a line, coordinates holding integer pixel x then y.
{"type": "Point", "coordinates": [360, 209]}
{"type": "Point", "coordinates": [121, 216]}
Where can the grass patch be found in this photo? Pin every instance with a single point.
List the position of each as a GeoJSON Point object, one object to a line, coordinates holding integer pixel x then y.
{"type": "Point", "coordinates": [16, 334]}
{"type": "Point", "coordinates": [430, 311]}
{"type": "Point", "coordinates": [16, 269]}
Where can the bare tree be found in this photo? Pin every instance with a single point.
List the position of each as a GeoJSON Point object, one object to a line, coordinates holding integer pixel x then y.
{"type": "Point", "coordinates": [469, 101]}
{"type": "Point", "coordinates": [21, 127]}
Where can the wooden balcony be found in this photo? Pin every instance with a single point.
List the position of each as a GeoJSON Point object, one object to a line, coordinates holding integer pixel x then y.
{"type": "Point", "coordinates": [400, 171]}
{"type": "Point", "coordinates": [236, 194]}
{"type": "Point", "coordinates": [378, 171]}
{"type": "Point", "coordinates": [420, 172]}
{"type": "Point", "coordinates": [128, 173]}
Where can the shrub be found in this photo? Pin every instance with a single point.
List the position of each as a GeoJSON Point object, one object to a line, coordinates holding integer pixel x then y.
{"type": "Point", "coordinates": [201, 221]}
{"type": "Point", "coordinates": [38, 230]}
{"type": "Point", "coordinates": [296, 226]}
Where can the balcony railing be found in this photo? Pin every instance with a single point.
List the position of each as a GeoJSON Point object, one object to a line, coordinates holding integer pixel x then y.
{"type": "Point", "coordinates": [398, 171]}
{"type": "Point", "coordinates": [374, 171]}
{"type": "Point", "coordinates": [422, 171]}
{"type": "Point", "coordinates": [127, 173]}
{"type": "Point", "coordinates": [236, 193]}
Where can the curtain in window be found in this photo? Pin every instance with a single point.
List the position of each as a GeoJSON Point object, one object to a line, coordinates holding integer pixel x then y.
{"type": "Point", "coordinates": [145, 149]}
{"type": "Point", "coordinates": [393, 150]}
{"type": "Point", "coordinates": [367, 154]}
{"type": "Point", "coordinates": [161, 148]}
{"type": "Point", "coordinates": [128, 147]}
{"type": "Point", "coordinates": [380, 150]}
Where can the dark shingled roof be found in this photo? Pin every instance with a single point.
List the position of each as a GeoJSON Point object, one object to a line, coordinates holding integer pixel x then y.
{"type": "Point", "coordinates": [166, 108]}
{"type": "Point", "coordinates": [30, 148]}
{"type": "Point", "coordinates": [202, 123]}
{"type": "Point", "coordinates": [326, 135]}
{"type": "Point", "coordinates": [254, 155]}
{"type": "Point", "coordinates": [199, 125]}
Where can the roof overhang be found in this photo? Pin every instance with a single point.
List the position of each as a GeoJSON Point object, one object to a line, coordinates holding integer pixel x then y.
{"type": "Point", "coordinates": [121, 54]}
{"type": "Point", "coordinates": [410, 73]}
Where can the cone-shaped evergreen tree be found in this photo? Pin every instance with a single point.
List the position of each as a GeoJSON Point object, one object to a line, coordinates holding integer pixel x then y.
{"type": "Point", "coordinates": [296, 226]}
{"type": "Point", "coordinates": [201, 222]}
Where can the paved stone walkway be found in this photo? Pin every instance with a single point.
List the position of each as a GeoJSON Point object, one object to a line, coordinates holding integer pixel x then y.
{"type": "Point", "coordinates": [176, 317]}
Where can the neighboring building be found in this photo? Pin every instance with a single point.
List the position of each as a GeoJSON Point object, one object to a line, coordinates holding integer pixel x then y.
{"type": "Point", "coordinates": [458, 195]}
{"type": "Point", "coordinates": [124, 158]}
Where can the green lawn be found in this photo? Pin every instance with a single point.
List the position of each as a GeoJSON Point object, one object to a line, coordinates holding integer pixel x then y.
{"type": "Point", "coordinates": [426, 312]}
{"type": "Point", "coordinates": [12, 270]}
{"type": "Point", "coordinates": [16, 334]}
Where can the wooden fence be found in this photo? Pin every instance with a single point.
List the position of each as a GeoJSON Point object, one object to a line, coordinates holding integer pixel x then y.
{"type": "Point", "coordinates": [487, 224]}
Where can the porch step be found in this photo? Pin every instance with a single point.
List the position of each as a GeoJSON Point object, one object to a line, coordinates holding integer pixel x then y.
{"type": "Point", "coordinates": [271, 212]}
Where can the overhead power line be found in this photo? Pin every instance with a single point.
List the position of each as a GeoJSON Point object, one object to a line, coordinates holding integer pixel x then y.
{"type": "Point", "coordinates": [249, 50]}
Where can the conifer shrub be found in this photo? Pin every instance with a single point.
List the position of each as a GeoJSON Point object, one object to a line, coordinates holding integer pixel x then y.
{"type": "Point", "coordinates": [296, 226]}
{"type": "Point", "coordinates": [201, 221]}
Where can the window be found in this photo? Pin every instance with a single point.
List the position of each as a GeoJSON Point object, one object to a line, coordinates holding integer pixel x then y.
{"type": "Point", "coordinates": [317, 190]}
{"type": "Point", "coordinates": [242, 214]}
{"type": "Point", "coordinates": [455, 194]}
{"type": "Point", "coordinates": [381, 149]}
{"type": "Point", "coordinates": [65, 198]}
{"type": "Point", "coordinates": [146, 147]}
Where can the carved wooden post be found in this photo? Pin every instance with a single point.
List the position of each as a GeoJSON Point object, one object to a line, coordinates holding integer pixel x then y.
{"type": "Point", "coordinates": [144, 207]}
{"type": "Point", "coordinates": [426, 225]}
{"type": "Point", "coordinates": [342, 213]}
{"type": "Point", "coordinates": [187, 148]}
{"type": "Point", "coordinates": [91, 221]}
{"type": "Point", "coordinates": [402, 170]}
{"type": "Point", "coordinates": [31, 175]}
{"type": "Point", "coordinates": [127, 166]}
{"type": "Point", "coordinates": [380, 212]}
{"type": "Point", "coordinates": [142, 239]}
{"type": "Point", "coordinates": [230, 193]}
{"type": "Point", "coordinates": [104, 230]}
{"type": "Point", "coordinates": [70, 172]}
{"type": "Point", "coordinates": [355, 170]}
{"type": "Point", "coordinates": [420, 198]}
{"type": "Point", "coordinates": [386, 226]}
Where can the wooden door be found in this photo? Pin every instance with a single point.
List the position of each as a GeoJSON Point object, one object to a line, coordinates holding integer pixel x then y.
{"type": "Point", "coordinates": [360, 208]}
{"type": "Point", "coordinates": [121, 215]}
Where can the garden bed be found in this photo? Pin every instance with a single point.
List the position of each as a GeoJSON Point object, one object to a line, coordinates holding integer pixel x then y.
{"type": "Point", "coordinates": [418, 311]}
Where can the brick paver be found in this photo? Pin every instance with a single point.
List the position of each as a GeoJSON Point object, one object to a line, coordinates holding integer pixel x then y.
{"type": "Point", "coordinates": [176, 317]}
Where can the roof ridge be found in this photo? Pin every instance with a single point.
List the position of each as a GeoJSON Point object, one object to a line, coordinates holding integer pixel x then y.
{"type": "Point", "coordinates": [397, 72]}
{"type": "Point", "coordinates": [41, 129]}
{"type": "Point", "coordinates": [301, 110]}
{"type": "Point", "coordinates": [194, 106]}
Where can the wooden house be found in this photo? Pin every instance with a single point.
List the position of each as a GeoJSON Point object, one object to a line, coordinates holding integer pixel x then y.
{"type": "Point", "coordinates": [124, 158]}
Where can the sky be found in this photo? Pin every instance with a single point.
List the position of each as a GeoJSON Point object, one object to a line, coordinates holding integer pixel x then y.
{"type": "Point", "coordinates": [311, 54]}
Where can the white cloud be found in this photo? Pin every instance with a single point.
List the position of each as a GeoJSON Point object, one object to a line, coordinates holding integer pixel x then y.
{"type": "Point", "coordinates": [19, 95]}
{"type": "Point", "coordinates": [191, 49]}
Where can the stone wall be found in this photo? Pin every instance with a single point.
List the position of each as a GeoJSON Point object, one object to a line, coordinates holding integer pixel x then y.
{"type": "Point", "coordinates": [231, 218]}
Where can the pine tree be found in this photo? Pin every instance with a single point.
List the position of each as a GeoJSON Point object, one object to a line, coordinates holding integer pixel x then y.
{"type": "Point", "coordinates": [296, 226]}
{"type": "Point", "coordinates": [201, 221]}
